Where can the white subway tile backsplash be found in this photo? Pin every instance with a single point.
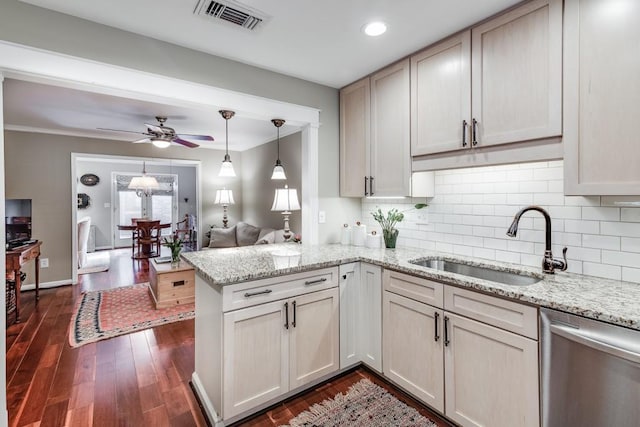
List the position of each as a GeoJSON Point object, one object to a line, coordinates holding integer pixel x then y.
{"type": "Point", "coordinates": [473, 208]}
{"type": "Point", "coordinates": [599, 213]}
{"type": "Point", "coordinates": [630, 214]}
{"type": "Point", "coordinates": [602, 270]}
{"type": "Point", "coordinates": [602, 242]}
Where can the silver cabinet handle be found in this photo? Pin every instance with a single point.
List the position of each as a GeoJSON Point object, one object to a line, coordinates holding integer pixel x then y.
{"type": "Point", "coordinates": [253, 294]}
{"type": "Point", "coordinates": [610, 348]}
{"type": "Point", "coordinates": [315, 282]}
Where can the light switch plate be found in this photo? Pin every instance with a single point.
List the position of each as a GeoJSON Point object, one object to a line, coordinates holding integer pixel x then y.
{"type": "Point", "coordinates": [322, 217]}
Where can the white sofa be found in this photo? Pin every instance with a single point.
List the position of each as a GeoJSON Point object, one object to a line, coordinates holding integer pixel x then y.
{"type": "Point", "coordinates": [84, 224]}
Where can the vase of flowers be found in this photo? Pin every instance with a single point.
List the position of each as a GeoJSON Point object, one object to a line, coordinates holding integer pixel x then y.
{"type": "Point", "coordinates": [175, 245]}
{"type": "Point", "coordinates": [388, 224]}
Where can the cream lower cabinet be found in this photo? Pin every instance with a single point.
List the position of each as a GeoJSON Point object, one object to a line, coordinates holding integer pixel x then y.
{"type": "Point", "coordinates": [479, 354]}
{"type": "Point", "coordinates": [413, 356]}
{"type": "Point", "coordinates": [491, 375]}
{"type": "Point", "coordinates": [361, 315]}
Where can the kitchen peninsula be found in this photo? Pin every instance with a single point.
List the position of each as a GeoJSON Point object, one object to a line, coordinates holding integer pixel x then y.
{"type": "Point", "coordinates": [247, 296]}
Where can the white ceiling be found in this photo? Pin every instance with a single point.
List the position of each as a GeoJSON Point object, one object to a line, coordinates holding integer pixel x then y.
{"type": "Point", "coordinates": [319, 41]}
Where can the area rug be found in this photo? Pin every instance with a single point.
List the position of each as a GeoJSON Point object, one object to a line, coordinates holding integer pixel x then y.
{"type": "Point", "coordinates": [106, 314]}
{"type": "Point", "coordinates": [364, 405]}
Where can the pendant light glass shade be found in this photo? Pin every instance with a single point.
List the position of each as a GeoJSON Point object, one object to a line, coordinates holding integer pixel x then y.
{"type": "Point", "coordinates": [226, 169]}
{"type": "Point", "coordinates": [144, 184]}
{"type": "Point", "coordinates": [278, 169]}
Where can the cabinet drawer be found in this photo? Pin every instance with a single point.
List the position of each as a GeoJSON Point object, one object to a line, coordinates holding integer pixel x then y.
{"type": "Point", "coordinates": [248, 294]}
{"type": "Point", "coordinates": [508, 315]}
{"type": "Point", "coordinates": [31, 254]}
{"type": "Point", "coordinates": [416, 288]}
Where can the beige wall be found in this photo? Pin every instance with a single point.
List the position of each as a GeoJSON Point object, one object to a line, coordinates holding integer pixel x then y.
{"type": "Point", "coordinates": [257, 187]}
{"type": "Point", "coordinates": [33, 26]}
{"type": "Point", "coordinates": [38, 167]}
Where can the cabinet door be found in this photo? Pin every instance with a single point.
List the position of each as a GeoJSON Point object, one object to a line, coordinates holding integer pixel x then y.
{"type": "Point", "coordinates": [371, 315]}
{"type": "Point", "coordinates": [355, 130]}
{"type": "Point", "coordinates": [349, 314]}
{"type": "Point", "coordinates": [491, 376]}
{"type": "Point", "coordinates": [389, 151]}
{"type": "Point", "coordinates": [517, 74]}
{"type": "Point", "coordinates": [314, 336]}
{"type": "Point", "coordinates": [412, 343]}
{"type": "Point", "coordinates": [602, 97]}
{"type": "Point", "coordinates": [441, 96]}
{"type": "Point", "coordinates": [250, 380]}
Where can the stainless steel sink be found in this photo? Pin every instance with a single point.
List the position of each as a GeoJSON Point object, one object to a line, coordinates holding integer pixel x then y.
{"type": "Point", "coordinates": [485, 273]}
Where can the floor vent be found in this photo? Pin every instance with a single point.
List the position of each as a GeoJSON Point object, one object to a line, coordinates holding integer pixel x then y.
{"type": "Point", "coordinates": [232, 12]}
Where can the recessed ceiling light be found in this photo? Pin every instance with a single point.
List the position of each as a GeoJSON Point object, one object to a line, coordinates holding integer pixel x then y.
{"type": "Point", "coordinates": [375, 28]}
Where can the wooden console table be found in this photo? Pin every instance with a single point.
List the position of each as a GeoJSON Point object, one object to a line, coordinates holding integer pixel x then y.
{"type": "Point", "coordinates": [15, 259]}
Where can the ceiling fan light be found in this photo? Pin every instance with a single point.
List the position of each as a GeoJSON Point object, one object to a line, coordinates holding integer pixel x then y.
{"type": "Point", "coordinates": [278, 172]}
{"type": "Point", "coordinates": [160, 143]}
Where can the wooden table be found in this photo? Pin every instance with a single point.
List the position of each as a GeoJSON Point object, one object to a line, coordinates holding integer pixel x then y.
{"type": "Point", "coordinates": [144, 228]}
{"type": "Point", "coordinates": [171, 286]}
{"type": "Point", "coordinates": [15, 259]}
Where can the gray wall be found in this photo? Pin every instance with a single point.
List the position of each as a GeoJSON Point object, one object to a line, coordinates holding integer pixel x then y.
{"type": "Point", "coordinates": [45, 160]}
{"type": "Point", "coordinates": [101, 215]}
{"type": "Point", "coordinates": [258, 188]}
{"type": "Point", "coordinates": [33, 26]}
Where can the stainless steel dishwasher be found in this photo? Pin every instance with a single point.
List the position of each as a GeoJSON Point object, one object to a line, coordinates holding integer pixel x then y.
{"type": "Point", "coordinates": [590, 372]}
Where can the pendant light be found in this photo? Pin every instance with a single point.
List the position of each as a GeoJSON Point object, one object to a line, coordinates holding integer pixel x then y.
{"type": "Point", "coordinates": [278, 169]}
{"type": "Point", "coordinates": [227, 167]}
{"type": "Point", "coordinates": [145, 184]}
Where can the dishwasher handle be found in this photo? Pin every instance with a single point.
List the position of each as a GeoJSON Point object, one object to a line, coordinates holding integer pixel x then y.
{"type": "Point", "coordinates": [575, 335]}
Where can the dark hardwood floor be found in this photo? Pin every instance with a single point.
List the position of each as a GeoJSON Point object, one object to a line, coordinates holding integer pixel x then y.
{"type": "Point", "coordinates": [140, 379]}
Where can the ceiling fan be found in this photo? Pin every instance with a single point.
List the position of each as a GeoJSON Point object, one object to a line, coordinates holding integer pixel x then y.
{"type": "Point", "coordinates": [162, 136]}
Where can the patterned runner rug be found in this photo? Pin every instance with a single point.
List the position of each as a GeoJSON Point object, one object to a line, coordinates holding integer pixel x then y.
{"type": "Point", "coordinates": [364, 405]}
{"type": "Point", "coordinates": [106, 314]}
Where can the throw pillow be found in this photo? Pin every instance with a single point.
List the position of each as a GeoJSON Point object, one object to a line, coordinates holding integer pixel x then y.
{"type": "Point", "coordinates": [246, 234]}
{"type": "Point", "coordinates": [267, 238]}
{"type": "Point", "coordinates": [223, 238]}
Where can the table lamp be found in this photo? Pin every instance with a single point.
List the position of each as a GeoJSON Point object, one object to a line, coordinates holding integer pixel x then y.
{"type": "Point", "coordinates": [224, 197]}
{"type": "Point", "coordinates": [286, 200]}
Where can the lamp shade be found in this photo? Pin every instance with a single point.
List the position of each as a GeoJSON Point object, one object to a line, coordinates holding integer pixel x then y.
{"type": "Point", "coordinates": [226, 169]}
{"type": "Point", "coordinates": [285, 199]}
{"type": "Point", "coordinates": [224, 197]}
{"type": "Point", "coordinates": [278, 172]}
{"type": "Point", "coordinates": [144, 183]}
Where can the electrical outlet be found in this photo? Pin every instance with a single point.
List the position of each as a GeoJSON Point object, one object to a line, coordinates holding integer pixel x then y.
{"type": "Point", "coordinates": [322, 217]}
{"type": "Point", "coordinates": [44, 262]}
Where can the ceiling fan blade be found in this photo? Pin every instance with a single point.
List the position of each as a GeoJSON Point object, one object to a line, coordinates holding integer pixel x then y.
{"type": "Point", "coordinates": [185, 143]}
{"type": "Point", "coordinates": [120, 130]}
{"type": "Point", "coordinates": [196, 137]}
{"type": "Point", "coordinates": [142, 140]}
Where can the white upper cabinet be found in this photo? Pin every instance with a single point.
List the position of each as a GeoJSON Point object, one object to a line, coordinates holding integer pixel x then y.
{"type": "Point", "coordinates": [498, 83]}
{"type": "Point", "coordinates": [516, 68]}
{"type": "Point", "coordinates": [355, 131]}
{"type": "Point", "coordinates": [389, 151]}
{"type": "Point", "coordinates": [602, 97]}
{"type": "Point", "coordinates": [441, 96]}
{"type": "Point", "coordinates": [375, 156]}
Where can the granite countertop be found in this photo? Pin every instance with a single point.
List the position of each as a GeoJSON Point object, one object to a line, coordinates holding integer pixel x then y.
{"type": "Point", "coordinates": [608, 300]}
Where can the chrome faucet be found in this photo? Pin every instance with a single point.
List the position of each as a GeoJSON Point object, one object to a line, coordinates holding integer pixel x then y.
{"type": "Point", "coordinates": [549, 264]}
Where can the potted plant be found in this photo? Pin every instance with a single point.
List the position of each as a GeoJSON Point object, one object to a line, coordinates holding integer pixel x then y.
{"type": "Point", "coordinates": [388, 225]}
{"type": "Point", "coordinates": [175, 245]}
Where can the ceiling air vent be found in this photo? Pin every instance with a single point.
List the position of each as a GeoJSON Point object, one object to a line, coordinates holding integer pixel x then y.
{"type": "Point", "coordinates": [232, 12]}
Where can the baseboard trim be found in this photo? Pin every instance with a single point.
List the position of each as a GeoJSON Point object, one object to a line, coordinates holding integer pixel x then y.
{"type": "Point", "coordinates": [203, 398]}
{"type": "Point", "coordinates": [45, 285]}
